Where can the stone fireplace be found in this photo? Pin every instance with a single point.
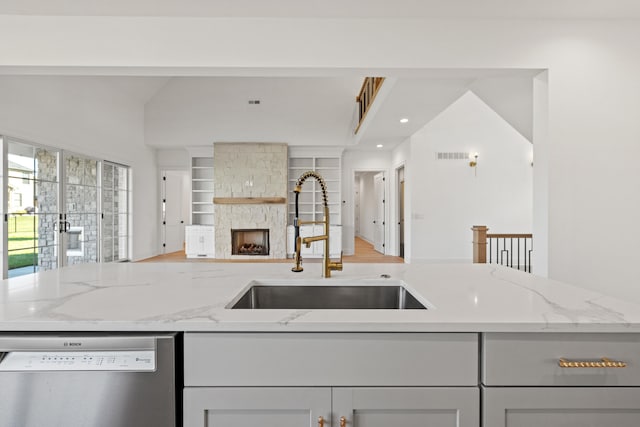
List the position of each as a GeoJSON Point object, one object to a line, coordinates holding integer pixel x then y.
{"type": "Point", "coordinates": [250, 196]}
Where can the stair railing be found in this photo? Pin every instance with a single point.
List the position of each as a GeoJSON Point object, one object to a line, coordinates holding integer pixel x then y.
{"type": "Point", "coordinates": [510, 249]}
{"type": "Point", "coordinates": [365, 98]}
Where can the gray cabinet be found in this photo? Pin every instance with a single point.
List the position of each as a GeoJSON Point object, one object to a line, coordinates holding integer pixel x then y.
{"type": "Point", "coordinates": [326, 406]}
{"type": "Point", "coordinates": [251, 406]}
{"type": "Point", "coordinates": [369, 380]}
{"type": "Point", "coordinates": [561, 407]}
{"type": "Point", "coordinates": [559, 379]}
{"type": "Point", "coordinates": [406, 407]}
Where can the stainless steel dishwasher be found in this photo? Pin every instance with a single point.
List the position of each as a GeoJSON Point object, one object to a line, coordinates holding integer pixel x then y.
{"type": "Point", "coordinates": [90, 380]}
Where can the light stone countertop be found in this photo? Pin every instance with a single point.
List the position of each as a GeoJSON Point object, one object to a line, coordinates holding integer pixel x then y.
{"type": "Point", "coordinates": [193, 297]}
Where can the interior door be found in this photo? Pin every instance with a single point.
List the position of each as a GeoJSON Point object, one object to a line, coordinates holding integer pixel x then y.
{"type": "Point", "coordinates": [379, 219]}
{"type": "Point", "coordinates": [175, 212]}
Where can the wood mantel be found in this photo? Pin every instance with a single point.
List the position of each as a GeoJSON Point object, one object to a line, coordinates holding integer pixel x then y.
{"type": "Point", "coordinates": [249, 200]}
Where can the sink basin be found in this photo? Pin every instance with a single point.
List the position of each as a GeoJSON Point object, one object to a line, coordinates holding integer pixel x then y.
{"type": "Point", "coordinates": [391, 295]}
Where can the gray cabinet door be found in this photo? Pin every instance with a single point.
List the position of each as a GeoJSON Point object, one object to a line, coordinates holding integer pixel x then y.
{"type": "Point", "coordinates": [406, 407]}
{"type": "Point", "coordinates": [251, 407]}
{"type": "Point", "coordinates": [561, 407]}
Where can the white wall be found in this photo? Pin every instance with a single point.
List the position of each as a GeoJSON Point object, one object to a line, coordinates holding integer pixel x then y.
{"type": "Point", "coordinates": [594, 95]}
{"type": "Point", "coordinates": [541, 154]}
{"type": "Point", "coordinates": [87, 116]}
{"type": "Point", "coordinates": [449, 196]}
{"type": "Point", "coordinates": [175, 159]}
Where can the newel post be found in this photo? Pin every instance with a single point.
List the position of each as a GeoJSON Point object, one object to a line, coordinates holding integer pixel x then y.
{"type": "Point", "coordinates": [479, 243]}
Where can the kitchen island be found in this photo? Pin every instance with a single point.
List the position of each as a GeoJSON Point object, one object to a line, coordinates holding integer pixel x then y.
{"type": "Point", "coordinates": [194, 297]}
{"type": "Point", "coordinates": [495, 346]}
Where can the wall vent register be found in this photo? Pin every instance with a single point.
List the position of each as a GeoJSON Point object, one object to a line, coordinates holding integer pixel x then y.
{"type": "Point", "coordinates": [452, 156]}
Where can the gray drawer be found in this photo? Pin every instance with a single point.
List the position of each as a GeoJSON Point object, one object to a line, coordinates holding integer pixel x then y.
{"type": "Point", "coordinates": [531, 359]}
{"type": "Point", "coordinates": [330, 359]}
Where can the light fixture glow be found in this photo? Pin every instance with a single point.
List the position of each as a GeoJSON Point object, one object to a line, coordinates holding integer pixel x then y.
{"type": "Point", "coordinates": [379, 146]}
{"type": "Point", "coordinates": [473, 162]}
{"type": "Point", "coordinates": [404, 120]}
{"type": "Point", "coordinates": [473, 159]}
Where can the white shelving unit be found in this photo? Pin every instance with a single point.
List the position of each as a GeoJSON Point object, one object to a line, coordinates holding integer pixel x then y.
{"type": "Point", "coordinates": [310, 199]}
{"type": "Point", "coordinates": [202, 190]}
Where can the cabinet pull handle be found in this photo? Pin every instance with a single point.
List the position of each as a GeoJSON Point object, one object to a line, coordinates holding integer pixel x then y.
{"type": "Point", "coordinates": [320, 421]}
{"type": "Point", "coordinates": [343, 422]}
{"type": "Point", "coordinates": [602, 363]}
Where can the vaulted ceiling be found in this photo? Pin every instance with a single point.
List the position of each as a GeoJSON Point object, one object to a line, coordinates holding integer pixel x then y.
{"type": "Point", "coordinates": [322, 111]}
{"type": "Point", "coordinates": [317, 107]}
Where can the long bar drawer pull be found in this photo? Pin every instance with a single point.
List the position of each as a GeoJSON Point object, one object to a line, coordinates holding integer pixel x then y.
{"type": "Point", "coordinates": [602, 363]}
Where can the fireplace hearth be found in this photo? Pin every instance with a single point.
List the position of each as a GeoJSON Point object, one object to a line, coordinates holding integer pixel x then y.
{"type": "Point", "coordinates": [250, 241]}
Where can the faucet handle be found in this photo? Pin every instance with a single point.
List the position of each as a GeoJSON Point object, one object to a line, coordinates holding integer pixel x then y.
{"type": "Point", "coordinates": [336, 265]}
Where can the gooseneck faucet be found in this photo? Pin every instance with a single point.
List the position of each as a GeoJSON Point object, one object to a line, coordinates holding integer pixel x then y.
{"type": "Point", "coordinates": [327, 264]}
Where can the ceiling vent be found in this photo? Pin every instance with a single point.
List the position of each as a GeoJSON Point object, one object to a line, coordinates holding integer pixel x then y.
{"type": "Point", "coordinates": [452, 156]}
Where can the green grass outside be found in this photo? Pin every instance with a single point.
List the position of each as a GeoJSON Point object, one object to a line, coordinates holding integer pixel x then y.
{"type": "Point", "coordinates": [22, 241]}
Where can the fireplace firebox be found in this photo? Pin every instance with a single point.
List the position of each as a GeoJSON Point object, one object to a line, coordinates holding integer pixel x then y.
{"type": "Point", "coordinates": [253, 241]}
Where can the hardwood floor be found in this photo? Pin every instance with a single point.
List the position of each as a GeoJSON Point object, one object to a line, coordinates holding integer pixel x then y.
{"type": "Point", "coordinates": [364, 253]}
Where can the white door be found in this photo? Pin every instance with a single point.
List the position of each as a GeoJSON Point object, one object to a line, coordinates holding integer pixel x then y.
{"type": "Point", "coordinates": [175, 209]}
{"type": "Point", "coordinates": [379, 220]}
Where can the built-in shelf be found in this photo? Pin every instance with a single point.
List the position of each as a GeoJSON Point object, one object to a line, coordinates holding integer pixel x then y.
{"type": "Point", "coordinates": [202, 190]}
{"type": "Point", "coordinates": [310, 199]}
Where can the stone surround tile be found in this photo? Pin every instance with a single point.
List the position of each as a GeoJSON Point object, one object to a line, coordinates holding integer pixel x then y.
{"type": "Point", "coordinates": [250, 170]}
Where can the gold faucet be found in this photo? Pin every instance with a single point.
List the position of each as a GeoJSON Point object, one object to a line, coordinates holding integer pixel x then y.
{"type": "Point", "coordinates": [327, 264]}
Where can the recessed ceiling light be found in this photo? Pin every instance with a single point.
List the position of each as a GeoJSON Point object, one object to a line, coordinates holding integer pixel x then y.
{"type": "Point", "coordinates": [379, 146]}
{"type": "Point", "coordinates": [405, 120]}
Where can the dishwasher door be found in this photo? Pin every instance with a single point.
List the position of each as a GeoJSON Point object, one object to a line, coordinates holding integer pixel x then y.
{"type": "Point", "coordinates": [100, 380]}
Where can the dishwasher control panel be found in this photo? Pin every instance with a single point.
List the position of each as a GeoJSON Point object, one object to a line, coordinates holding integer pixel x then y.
{"type": "Point", "coordinates": [122, 360]}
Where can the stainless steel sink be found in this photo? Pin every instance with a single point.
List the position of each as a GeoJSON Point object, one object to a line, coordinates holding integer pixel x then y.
{"type": "Point", "coordinates": [392, 296]}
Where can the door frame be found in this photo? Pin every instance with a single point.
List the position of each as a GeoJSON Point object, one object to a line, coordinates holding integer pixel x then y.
{"type": "Point", "coordinates": [401, 210]}
{"type": "Point", "coordinates": [5, 140]}
{"type": "Point", "coordinates": [62, 204]}
{"type": "Point", "coordinates": [185, 198]}
{"type": "Point", "coordinates": [388, 197]}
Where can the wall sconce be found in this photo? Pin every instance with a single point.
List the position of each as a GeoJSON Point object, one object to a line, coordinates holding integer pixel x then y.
{"type": "Point", "coordinates": [473, 162]}
{"type": "Point", "coordinates": [473, 159]}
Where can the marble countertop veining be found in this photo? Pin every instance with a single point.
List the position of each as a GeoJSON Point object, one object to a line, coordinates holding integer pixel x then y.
{"type": "Point", "coordinates": [193, 297]}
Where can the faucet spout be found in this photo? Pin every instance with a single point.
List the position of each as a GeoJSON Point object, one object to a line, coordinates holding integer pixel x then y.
{"type": "Point", "coordinates": [327, 265]}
